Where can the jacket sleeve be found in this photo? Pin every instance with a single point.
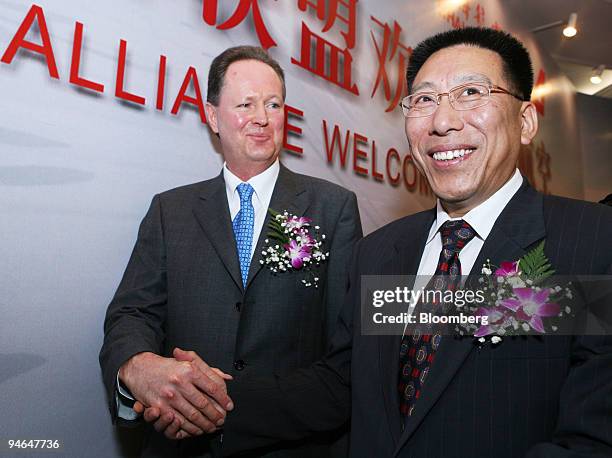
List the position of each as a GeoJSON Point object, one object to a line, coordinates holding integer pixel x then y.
{"type": "Point", "coordinates": [347, 233]}
{"type": "Point", "coordinates": [135, 317]}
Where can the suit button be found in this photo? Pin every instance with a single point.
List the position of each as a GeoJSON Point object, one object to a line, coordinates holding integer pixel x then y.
{"type": "Point", "coordinates": [239, 365]}
{"type": "Point", "coordinates": [238, 306]}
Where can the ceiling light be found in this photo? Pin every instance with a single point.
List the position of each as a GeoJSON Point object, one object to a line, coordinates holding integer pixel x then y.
{"type": "Point", "coordinates": [570, 29]}
{"type": "Point", "coordinates": [596, 76]}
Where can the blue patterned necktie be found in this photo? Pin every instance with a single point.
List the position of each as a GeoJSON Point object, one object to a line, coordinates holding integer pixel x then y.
{"type": "Point", "coordinates": [243, 228]}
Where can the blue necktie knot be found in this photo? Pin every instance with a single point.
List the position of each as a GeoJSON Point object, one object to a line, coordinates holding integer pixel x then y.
{"type": "Point", "coordinates": [245, 191]}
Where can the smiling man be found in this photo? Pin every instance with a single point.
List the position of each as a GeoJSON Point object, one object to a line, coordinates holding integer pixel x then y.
{"type": "Point", "coordinates": [467, 115]}
{"type": "Point", "coordinates": [195, 282]}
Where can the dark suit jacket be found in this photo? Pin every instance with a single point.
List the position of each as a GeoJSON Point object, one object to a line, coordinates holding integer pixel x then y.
{"type": "Point", "coordinates": [529, 396]}
{"type": "Point", "coordinates": [182, 288]}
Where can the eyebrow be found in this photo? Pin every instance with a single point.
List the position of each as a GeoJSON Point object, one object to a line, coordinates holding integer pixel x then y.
{"type": "Point", "coordinates": [459, 80]}
{"type": "Point", "coordinates": [265, 97]}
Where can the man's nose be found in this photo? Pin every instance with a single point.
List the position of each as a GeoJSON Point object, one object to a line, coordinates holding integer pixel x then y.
{"type": "Point", "coordinates": [260, 115]}
{"type": "Point", "coordinates": [445, 118]}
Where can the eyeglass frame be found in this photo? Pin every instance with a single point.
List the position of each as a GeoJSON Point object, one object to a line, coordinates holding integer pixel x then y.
{"type": "Point", "coordinates": [492, 88]}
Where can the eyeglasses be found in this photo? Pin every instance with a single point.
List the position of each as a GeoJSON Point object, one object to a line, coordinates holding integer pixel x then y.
{"type": "Point", "coordinates": [461, 98]}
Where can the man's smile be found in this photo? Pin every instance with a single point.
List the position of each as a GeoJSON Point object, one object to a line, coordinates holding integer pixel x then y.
{"type": "Point", "coordinates": [450, 154]}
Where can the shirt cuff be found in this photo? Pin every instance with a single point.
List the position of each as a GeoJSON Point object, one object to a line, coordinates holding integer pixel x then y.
{"type": "Point", "coordinates": [124, 401]}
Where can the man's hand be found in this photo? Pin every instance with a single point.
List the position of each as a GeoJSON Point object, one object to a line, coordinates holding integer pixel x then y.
{"type": "Point", "coordinates": [184, 392]}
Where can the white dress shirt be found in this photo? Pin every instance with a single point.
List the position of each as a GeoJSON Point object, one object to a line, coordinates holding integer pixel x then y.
{"type": "Point", "coordinates": [481, 218]}
{"type": "Point", "coordinates": [263, 186]}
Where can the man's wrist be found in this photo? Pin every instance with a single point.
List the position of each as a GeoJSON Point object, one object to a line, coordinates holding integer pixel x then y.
{"type": "Point", "coordinates": [125, 374]}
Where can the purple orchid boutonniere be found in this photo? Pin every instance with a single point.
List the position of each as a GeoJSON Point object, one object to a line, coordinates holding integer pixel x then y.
{"type": "Point", "coordinates": [519, 301]}
{"type": "Point", "coordinates": [293, 244]}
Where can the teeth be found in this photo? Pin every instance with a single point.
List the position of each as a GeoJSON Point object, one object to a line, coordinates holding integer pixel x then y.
{"type": "Point", "coordinates": [448, 155]}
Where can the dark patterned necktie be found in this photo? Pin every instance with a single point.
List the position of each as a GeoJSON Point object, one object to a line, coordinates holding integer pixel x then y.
{"type": "Point", "coordinates": [417, 351]}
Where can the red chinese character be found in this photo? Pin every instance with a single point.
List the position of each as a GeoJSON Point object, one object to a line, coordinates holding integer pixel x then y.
{"type": "Point", "coordinates": [339, 69]}
{"type": "Point", "coordinates": [466, 11]}
{"type": "Point", "coordinates": [350, 22]}
{"type": "Point", "coordinates": [480, 15]}
{"type": "Point", "coordinates": [496, 26]}
{"type": "Point", "coordinates": [390, 51]}
{"type": "Point", "coordinates": [455, 21]}
{"type": "Point", "coordinates": [209, 14]}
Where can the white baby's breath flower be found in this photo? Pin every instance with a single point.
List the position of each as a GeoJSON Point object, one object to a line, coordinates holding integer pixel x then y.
{"type": "Point", "coordinates": [496, 339]}
{"type": "Point", "coordinates": [482, 340]}
{"type": "Point", "coordinates": [486, 271]}
{"type": "Point", "coordinates": [525, 327]}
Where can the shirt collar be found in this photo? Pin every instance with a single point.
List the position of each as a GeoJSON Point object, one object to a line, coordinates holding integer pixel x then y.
{"type": "Point", "coordinates": [482, 217]}
{"type": "Point", "coordinates": [262, 184]}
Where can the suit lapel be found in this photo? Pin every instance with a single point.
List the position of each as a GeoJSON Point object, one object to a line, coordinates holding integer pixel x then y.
{"type": "Point", "coordinates": [519, 226]}
{"type": "Point", "coordinates": [212, 213]}
{"type": "Point", "coordinates": [406, 262]}
{"type": "Point", "coordinates": [289, 194]}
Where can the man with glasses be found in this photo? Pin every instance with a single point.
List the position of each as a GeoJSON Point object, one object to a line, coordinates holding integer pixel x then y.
{"type": "Point", "coordinates": [467, 115]}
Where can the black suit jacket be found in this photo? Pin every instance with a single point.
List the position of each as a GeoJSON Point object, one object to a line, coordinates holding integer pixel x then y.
{"type": "Point", "coordinates": [530, 396]}
{"type": "Point", "coordinates": [183, 288]}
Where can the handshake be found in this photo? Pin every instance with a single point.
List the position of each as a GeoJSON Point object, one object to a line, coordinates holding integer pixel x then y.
{"type": "Point", "coordinates": [181, 396]}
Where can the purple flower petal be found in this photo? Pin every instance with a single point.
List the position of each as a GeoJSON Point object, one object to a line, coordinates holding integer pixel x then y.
{"type": "Point", "coordinates": [524, 294]}
{"type": "Point", "coordinates": [549, 309]}
{"type": "Point", "coordinates": [511, 303]}
{"type": "Point", "coordinates": [521, 315]}
{"type": "Point", "coordinates": [483, 331]}
{"type": "Point", "coordinates": [297, 262]}
{"type": "Point", "coordinates": [541, 296]}
{"type": "Point", "coordinates": [536, 323]}
{"type": "Point", "coordinates": [507, 269]}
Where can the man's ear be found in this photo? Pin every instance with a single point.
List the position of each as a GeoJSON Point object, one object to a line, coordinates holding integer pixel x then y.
{"type": "Point", "coordinates": [529, 122]}
{"type": "Point", "coordinates": [211, 117]}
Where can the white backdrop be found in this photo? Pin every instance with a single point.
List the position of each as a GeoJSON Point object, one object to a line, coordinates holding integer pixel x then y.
{"type": "Point", "coordinates": [79, 167]}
